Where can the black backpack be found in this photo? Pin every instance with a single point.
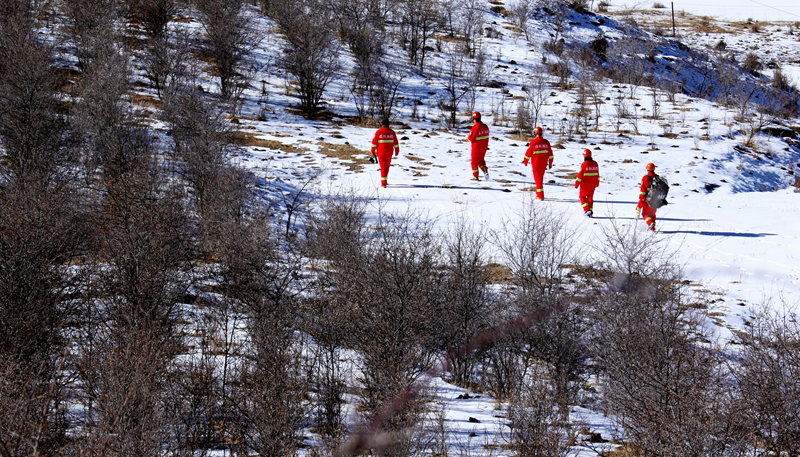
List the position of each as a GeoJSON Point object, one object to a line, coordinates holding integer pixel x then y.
{"type": "Point", "coordinates": [657, 197]}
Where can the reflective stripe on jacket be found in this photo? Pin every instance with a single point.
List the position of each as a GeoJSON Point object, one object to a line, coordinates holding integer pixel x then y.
{"type": "Point", "coordinates": [590, 173]}
{"type": "Point", "coordinates": [479, 137]}
{"type": "Point", "coordinates": [540, 152]}
{"type": "Point", "coordinates": [385, 141]}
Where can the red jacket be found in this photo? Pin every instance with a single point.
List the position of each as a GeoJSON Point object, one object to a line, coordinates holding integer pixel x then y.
{"type": "Point", "coordinates": [540, 153]}
{"type": "Point", "coordinates": [479, 137]}
{"type": "Point", "coordinates": [385, 142]}
{"type": "Point", "coordinates": [589, 176]}
{"type": "Point", "coordinates": [647, 182]}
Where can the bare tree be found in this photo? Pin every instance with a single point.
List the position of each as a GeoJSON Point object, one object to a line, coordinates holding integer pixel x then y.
{"type": "Point", "coordinates": [93, 28]}
{"type": "Point", "coordinates": [202, 140]}
{"type": "Point", "coordinates": [389, 286]}
{"type": "Point", "coordinates": [467, 297]}
{"type": "Point", "coordinates": [452, 77]}
{"type": "Point", "coordinates": [418, 22]}
{"type": "Point", "coordinates": [230, 36]}
{"type": "Point", "coordinates": [143, 253]}
{"type": "Point", "coordinates": [536, 247]}
{"type": "Point", "coordinates": [112, 140]}
{"type": "Point", "coordinates": [477, 74]}
{"type": "Point", "coordinates": [538, 428]}
{"type": "Point", "coordinates": [312, 50]}
{"type": "Point", "coordinates": [41, 232]}
{"type": "Point", "coordinates": [664, 380]}
{"type": "Point", "coordinates": [470, 25]}
{"type": "Point", "coordinates": [166, 60]}
{"type": "Point", "coordinates": [768, 366]}
{"type": "Point", "coordinates": [536, 94]}
{"type": "Point", "coordinates": [520, 11]}
{"type": "Point", "coordinates": [264, 407]}
{"type": "Point", "coordinates": [153, 16]}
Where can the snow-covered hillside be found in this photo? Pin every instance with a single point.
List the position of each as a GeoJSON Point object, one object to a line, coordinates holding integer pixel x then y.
{"type": "Point", "coordinates": [231, 317]}
{"type": "Point", "coordinates": [733, 215]}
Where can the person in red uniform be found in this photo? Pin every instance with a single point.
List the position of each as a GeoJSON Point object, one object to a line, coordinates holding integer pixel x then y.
{"type": "Point", "coordinates": [383, 144]}
{"type": "Point", "coordinates": [541, 156]}
{"type": "Point", "coordinates": [479, 137]}
{"type": "Point", "coordinates": [647, 211]}
{"type": "Point", "coordinates": [588, 180]}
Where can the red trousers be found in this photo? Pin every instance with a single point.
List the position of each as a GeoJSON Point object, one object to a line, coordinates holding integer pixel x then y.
{"type": "Point", "coordinates": [538, 178]}
{"type": "Point", "coordinates": [385, 160]}
{"type": "Point", "coordinates": [587, 198]}
{"type": "Point", "coordinates": [478, 161]}
{"type": "Point", "coordinates": [649, 215]}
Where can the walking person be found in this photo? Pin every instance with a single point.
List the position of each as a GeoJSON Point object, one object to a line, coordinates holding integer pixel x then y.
{"type": "Point", "coordinates": [383, 144]}
{"type": "Point", "coordinates": [479, 137]}
{"type": "Point", "coordinates": [588, 180]}
{"type": "Point", "coordinates": [541, 156]}
{"type": "Point", "coordinates": [648, 212]}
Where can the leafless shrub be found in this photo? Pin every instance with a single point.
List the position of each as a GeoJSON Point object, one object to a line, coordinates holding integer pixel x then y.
{"type": "Point", "coordinates": [264, 407]}
{"type": "Point", "coordinates": [524, 120]}
{"type": "Point", "coordinates": [538, 425]}
{"type": "Point", "coordinates": [194, 392]}
{"type": "Point", "coordinates": [337, 231]}
{"type": "Point", "coordinates": [536, 246]}
{"type": "Point", "coordinates": [537, 91]}
{"type": "Point", "coordinates": [455, 85]}
{"type": "Point", "coordinates": [768, 363]}
{"type": "Point", "coordinates": [129, 339]}
{"type": "Point", "coordinates": [467, 297]}
{"type": "Point", "coordinates": [166, 60]}
{"type": "Point", "coordinates": [230, 36]}
{"type": "Point", "coordinates": [40, 232]}
{"type": "Point", "coordinates": [202, 141]}
{"type": "Point", "coordinates": [312, 52]}
{"type": "Point", "coordinates": [36, 143]}
{"type": "Point", "coordinates": [112, 141]}
{"type": "Point", "coordinates": [335, 236]}
{"type": "Point", "coordinates": [560, 70]}
{"type": "Point", "coordinates": [556, 46]}
{"type": "Point", "coordinates": [391, 295]}
{"type": "Point", "coordinates": [93, 28]}
{"type": "Point", "coordinates": [419, 20]}
{"type": "Point", "coordinates": [503, 367]}
{"type": "Point", "coordinates": [152, 15]}
{"type": "Point", "coordinates": [665, 380]}
{"type": "Point", "coordinates": [519, 13]}
{"type": "Point", "coordinates": [470, 26]}
{"type": "Point", "coordinates": [752, 64]}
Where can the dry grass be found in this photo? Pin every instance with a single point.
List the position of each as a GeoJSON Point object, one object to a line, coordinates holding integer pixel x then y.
{"type": "Point", "coordinates": [499, 274]}
{"type": "Point", "coordinates": [626, 450]}
{"type": "Point", "coordinates": [248, 139]}
{"type": "Point", "coordinates": [346, 153]}
{"type": "Point", "coordinates": [418, 160]}
{"type": "Point", "coordinates": [589, 272]}
{"type": "Point", "coordinates": [146, 101]}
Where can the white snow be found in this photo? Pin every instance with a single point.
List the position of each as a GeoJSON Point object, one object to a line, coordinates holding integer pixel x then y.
{"type": "Point", "coordinates": [738, 241]}
{"type": "Point", "coordinates": [737, 10]}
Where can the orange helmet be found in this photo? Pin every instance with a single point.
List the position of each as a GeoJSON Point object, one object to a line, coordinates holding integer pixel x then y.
{"type": "Point", "coordinates": [587, 153]}
{"type": "Point", "coordinates": [476, 115]}
{"type": "Point", "coordinates": [651, 167]}
{"type": "Point", "coordinates": [537, 130]}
